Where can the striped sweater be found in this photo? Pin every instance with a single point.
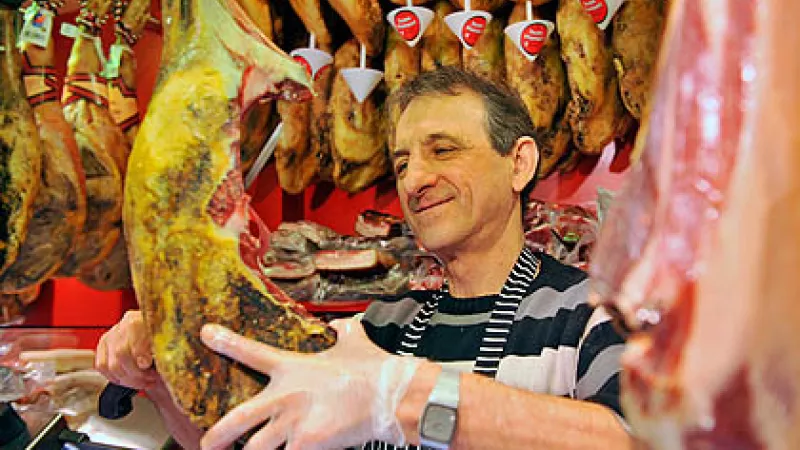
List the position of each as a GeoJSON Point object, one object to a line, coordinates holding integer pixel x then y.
{"type": "Point", "coordinates": [556, 343]}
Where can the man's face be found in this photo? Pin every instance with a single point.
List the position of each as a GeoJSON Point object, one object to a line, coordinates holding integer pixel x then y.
{"type": "Point", "coordinates": [455, 189]}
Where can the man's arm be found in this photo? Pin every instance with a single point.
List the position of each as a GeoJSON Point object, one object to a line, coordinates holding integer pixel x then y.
{"type": "Point", "coordinates": [493, 415]}
{"type": "Point", "coordinates": [185, 433]}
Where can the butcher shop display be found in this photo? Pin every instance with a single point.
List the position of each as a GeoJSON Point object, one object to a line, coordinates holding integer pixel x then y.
{"type": "Point", "coordinates": [187, 218]}
{"type": "Point", "coordinates": [699, 255]}
{"type": "Point", "coordinates": [314, 263]}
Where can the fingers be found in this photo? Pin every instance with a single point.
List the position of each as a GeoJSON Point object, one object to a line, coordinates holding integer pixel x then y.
{"type": "Point", "coordinates": [124, 354]}
{"type": "Point", "coordinates": [252, 353]}
{"type": "Point", "coordinates": [239, 421]}
{"type": "Point", "coordinates": [275, 433]}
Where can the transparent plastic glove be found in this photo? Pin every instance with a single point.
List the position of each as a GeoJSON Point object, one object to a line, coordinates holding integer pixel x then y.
{"type": "Point", "coordinates": [344, 396]}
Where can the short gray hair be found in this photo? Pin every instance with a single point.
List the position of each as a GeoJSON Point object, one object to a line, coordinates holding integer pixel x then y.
{"type": "Point", "coordinates": [506, 118]}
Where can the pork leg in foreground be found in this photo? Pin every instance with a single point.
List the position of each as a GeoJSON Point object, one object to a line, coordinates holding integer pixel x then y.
{"type": "Point", "coordinates": [186, 214]}
{"type": "Point", "coordinates": [20, 147]}
{"type": "Point", "coordinates": [700, 254]}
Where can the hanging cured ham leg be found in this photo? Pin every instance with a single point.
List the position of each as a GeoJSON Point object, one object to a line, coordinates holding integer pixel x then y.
{"type": "Point", "coordinates": [103, 147]}
{"type": "Point", "coordinates": [186, 215]}
{"type": "Point", "coordinates": [700, 254]}
{"type": "Point", "coordinates": [20, 148]}
{"type": "Point", "coordinates": [130, 18]}
{"type": "Point", "coordinates": [59, 210]}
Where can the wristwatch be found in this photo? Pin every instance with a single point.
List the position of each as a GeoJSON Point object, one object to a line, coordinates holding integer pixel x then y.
{"type": "Point", "coordinates": [438, 424]}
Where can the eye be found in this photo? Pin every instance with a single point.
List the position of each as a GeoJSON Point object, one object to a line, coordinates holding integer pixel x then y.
{"type": "Point", "coordinates": [400, 167]}
{"type": "Point", "coordinates": [443, 150]}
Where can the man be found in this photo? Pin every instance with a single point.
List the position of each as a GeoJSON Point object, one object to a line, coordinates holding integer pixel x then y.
{"type": "Point", "coordinates": [464, 160]}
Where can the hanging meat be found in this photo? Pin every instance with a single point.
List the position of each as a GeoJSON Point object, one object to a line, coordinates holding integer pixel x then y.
{"type": "Point", "coordinates": [359, 129]}
{"type": "Point", "coordinates": [295, 163]}
{"type": "Point", "coordinates": [310, 14]}
{"type": "Point", "coordinates": [103, 147]}
{"type": "Point", "coordinates": [440, 47]}
{"type": "Point", "coordinates": [699, 255]}
{"type": "Point", "coordinates": [130, 17]}
{"type": "Point", "coordinates": [484, 5]}
{"type": "Point", "coordinates": [596, 114]}
{"type": "Point", "coordinates": [320, 126]}
{"type": "Point", "coordinates": [365, 20]}
{"type": "Point", "coordinates": [400, 62]}
{"type": "Point", "coordinates": [636, 37]}
{"type": "Point", "coordinates": [257, 120]}
{"type": "Point", "coordinates": [12, 305]}
{"type": "Point", "coordinates": [542, 85]}
{"type": "Point", "coordinates": [187, 216]}
{"type": "Point", "coordinates": [20, 148]}
{"type": "Point", "coordinates": [485, 58]}
{"type": "Point", "coordinates": [59, 208]}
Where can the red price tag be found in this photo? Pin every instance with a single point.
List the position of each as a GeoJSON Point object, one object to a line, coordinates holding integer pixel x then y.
{"type": "Point", "coordinates": [407, 24]}
{"type": "Point", "coordinates": [533, 37]}
{"type": "Point", "coordinates": [473, 29]}
{"type": "Point", "coordinates": [598, 9]}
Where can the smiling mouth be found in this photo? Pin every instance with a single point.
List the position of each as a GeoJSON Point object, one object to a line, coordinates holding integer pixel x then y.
{"type": "Point", "coordinates": [427, 206]}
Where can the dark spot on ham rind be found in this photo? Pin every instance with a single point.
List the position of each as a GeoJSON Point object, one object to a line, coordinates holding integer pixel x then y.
{"type": "Point", "coordinates": [91, 165]}
{"type": "Point", "coordinates": [269, 322]}
{"type": "Point", "coordinates": [9, 202]}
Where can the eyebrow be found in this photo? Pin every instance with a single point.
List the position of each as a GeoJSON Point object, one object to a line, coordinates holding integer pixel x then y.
{"type": "Point", "coordinates": [429, 140]}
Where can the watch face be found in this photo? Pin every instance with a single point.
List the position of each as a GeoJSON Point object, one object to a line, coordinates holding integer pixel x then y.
{"type": "Point", "coordinates": [439, 423]}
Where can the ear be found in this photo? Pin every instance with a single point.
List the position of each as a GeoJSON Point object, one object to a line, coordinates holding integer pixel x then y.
{"type": "Point", "coordinates": [526, 158]}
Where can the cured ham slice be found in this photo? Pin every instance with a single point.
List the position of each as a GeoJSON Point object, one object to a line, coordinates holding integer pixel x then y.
{"type": "Point", "coordinates": [699, 255]}
{"type": "Point", "coordinates": [193, 258]}
{"type": "Point", "coordinates": [102, 145]}
{"type": "Point", "coordinates": [59, 210]}
{"type": "Point", "coordinates": [20, 148]}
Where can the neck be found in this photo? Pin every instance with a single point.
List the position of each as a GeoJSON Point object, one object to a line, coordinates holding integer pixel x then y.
{"type": "Point", "coordinates": [483, 270]}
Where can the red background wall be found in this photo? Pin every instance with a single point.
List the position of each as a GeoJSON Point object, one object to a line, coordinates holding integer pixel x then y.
{"type": "Point", "coordinates": [68, 303]}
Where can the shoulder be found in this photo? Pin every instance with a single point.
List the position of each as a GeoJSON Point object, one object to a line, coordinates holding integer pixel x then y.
{"type": "Point", "coordinates": [385, 318]}
{"type": "Point", "coordinates": [557, 275]}
{"type": "Point", "coordinates": [557, 290]}
{"type": "Point", "coordinates": [398, 310]}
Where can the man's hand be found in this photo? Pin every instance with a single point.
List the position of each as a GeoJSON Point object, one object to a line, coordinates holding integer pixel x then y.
{"type": "Point", "coordinates": [344, 396]}
{"type": "Point", "coordinates": [124, 354]}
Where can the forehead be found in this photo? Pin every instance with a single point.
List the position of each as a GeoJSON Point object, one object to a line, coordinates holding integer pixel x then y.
{"type": "Point", "coordinates": [461, 114]}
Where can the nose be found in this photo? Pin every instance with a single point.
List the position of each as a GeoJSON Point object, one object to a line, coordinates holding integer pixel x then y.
{"type": "Point", "coordinates": [419, 175]}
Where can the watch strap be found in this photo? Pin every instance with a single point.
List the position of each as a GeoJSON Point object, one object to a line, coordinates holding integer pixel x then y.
{"type": "Point", "coordinates": [445, 391]}
{"type": "Point", "coordinates": [443, 396]}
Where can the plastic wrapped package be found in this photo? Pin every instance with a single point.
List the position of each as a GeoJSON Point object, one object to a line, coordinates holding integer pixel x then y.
{"type": "Point", "coordinates": [700, 254]}
{"type": "Point", "coordinates": [43, 373]}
